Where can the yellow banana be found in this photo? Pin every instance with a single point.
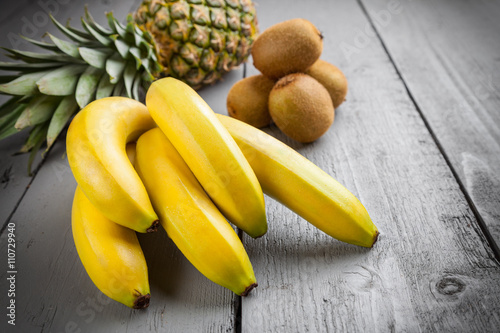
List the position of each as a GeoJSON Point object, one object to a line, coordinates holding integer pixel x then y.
{"type": "Point", "coordinates": [189, 217]}
{"type": "Point", "coordinates": [96, 144]}
{"type": "Point", "coordinates": [211, 153]}
{"type": "Point", "coordinates": [303, 187]}
{"type": "Point", "coordinates": [111, 254]}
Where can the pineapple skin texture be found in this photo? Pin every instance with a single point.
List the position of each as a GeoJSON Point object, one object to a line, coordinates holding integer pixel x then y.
{"type": "Point", "coordinates": [199, 40]}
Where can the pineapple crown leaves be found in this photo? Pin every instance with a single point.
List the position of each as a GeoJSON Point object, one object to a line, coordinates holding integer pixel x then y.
{"type": "Point", "coordinates": [48, 88]}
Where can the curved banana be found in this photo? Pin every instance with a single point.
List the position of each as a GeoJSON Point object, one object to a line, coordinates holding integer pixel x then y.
{"type": "Point", "coordinates": [211, 153]}
{"type": "Point", "coordinates": [96, 144]}
{"type": "Point", "coordinates": [189, 217]}
{"type": "Point", "coordinates": [303, 187]}
{"type": "Point", "coordinates": [111, 254]}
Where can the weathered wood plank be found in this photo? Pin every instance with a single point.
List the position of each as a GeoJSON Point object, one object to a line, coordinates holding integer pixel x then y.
{"type": "Point", "coordinates": [53, 291]}
{"type": "Point", "coordinates": [451, 66]}
{"type": "Point", "coordinates": [431, 270]}
{"type": "Point", "coordinates": [14, 176]}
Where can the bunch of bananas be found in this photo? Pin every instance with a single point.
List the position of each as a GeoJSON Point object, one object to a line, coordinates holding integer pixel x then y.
{"type": "Point", "coordinates": [175, 162]}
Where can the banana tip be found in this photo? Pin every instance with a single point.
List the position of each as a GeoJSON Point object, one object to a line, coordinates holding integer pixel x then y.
{"type": "Point", "coordinates": [142, 301]}
{"type": "Point", "coordinates": [248, 289]}
{"type": "Point", "coordinates": [259, 234]}
{"type": "Point", "coordinates": [153, 227]}
{"type": "Point", "coordinates": [375, 238]}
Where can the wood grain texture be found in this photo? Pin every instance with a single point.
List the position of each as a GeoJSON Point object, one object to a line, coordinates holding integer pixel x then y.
{"type": "Point", "coordinates": [431, 270]}
{"type": "Point", "coordinates": [55, 294]}
{"type": "Point", "coordinates": [14, 176]}
{"type": "Point", "coordinates": [451, 66]}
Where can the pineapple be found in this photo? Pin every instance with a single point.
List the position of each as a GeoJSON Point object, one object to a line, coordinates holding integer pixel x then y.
{"type": "Point", "coordinates": [196, 41]}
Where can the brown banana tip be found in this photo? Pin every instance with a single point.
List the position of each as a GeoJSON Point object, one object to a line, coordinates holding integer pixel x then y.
{"type": "Point", "coordinates": [249, 289]}
{"type": "Point", "coordinates": [142, 301]}
{"type": "Point", "coordinates": [153, 227]}
{"type": "Point", "coordinates": [375, 239]}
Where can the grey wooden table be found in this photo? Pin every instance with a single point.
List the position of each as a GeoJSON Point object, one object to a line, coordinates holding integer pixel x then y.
{"type": "Point", "coordinates": [417, 141]}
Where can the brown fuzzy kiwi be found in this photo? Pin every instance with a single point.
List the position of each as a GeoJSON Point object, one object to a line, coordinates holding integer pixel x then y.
{"type": "Point", "coordinates": [301, 107]}
{"type": "Point", "coordinates": [287, 47]}
{"type": "Point", "coordinates": [247, 100]}
{"type": "Point", "coordinates": [331, 78]}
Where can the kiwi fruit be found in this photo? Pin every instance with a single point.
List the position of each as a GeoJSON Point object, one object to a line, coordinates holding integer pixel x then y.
{"type": "Point", "coordinates": [301, 107]}
{"type": "Point", "coordinates": [287, 47]}
{"type": "Point", "coordinates": [247, 100]}
{"type": "Point", "coordinates": [331, 78]}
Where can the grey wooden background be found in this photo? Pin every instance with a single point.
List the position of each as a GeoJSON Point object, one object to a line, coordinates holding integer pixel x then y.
{"type": "Point", "coordinates": [418, 141]}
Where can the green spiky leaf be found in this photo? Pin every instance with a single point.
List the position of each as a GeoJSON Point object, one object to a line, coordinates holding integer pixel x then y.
{"type": "Point", "coordinates": [114, 25]}
{"type": "Point", "coordinates": [95, 57]}
{"type": "Point", "coordinates": [118, 89]}
{"type": "Point", "coordinates": [31, 57]}
{"type": "Point", "coordinates": [136, 53]}
{"type": "Point", "coordinates": [87, 85]}
{"type": "Point", "coordinates": [147, 75]}
{"type": "Point", "coordinates": [96, 26]}
{"type": "Point", "coordinates": [33, 138]}
{"type": "Point", "coordinates": [24, 85]}
{"type": "Point", "coordinates": [8, 106]}
{"type": "Point", "coordinates": [27, 67]}
{"type": "Point", "coordinates": [104, 40]}
{"type": "Point", "coordinates": [38, 141]}
{"type": "Point", "coordinates": [128, 77]}
{"type": "Point", "coordinates": [136, 86]}
{"type": "Point", "coordinates": [11, 130]}
{"type": "Point", "coordinates": [71, 35]}
{"type": "Point", "coordinates": [130, 27]}
{"type": "Point", "coordinates": [60, 82]}
{"type": "Point", "coordinates": [38, 110]}
{"type": "Point", "coordinates": [47, 46]}
{"type": "Point", "coordinates": [83, 34]}
{"type": "Point", "coordinates": [122, 48]}
{"type": "Point", "coordinates": [66, 108]}
{"type": "Point", "coordinates": [26, 99]}
{"type": "Point", "coordinates": [66, 47]}
{"type": "Point", "coordinates": [105, 87]}
{"type": "Point", "coordinates": [8, 121]}
{"type": "Point", "coordinates": [114, 67]}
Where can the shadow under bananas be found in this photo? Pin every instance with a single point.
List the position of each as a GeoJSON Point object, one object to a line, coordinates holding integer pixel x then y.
{"type": "Point", "coordinates": [291, 238]}
{"type": "Point", "coordinates": [164, 261]}
{"type": "Point", "coordinates": [174, 279]}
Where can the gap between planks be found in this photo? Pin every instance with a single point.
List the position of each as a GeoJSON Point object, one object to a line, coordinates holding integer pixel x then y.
{"type": "Point", "coordinates": [238, 302]}
{"type": "Point", "coordinates": [482, 225]}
